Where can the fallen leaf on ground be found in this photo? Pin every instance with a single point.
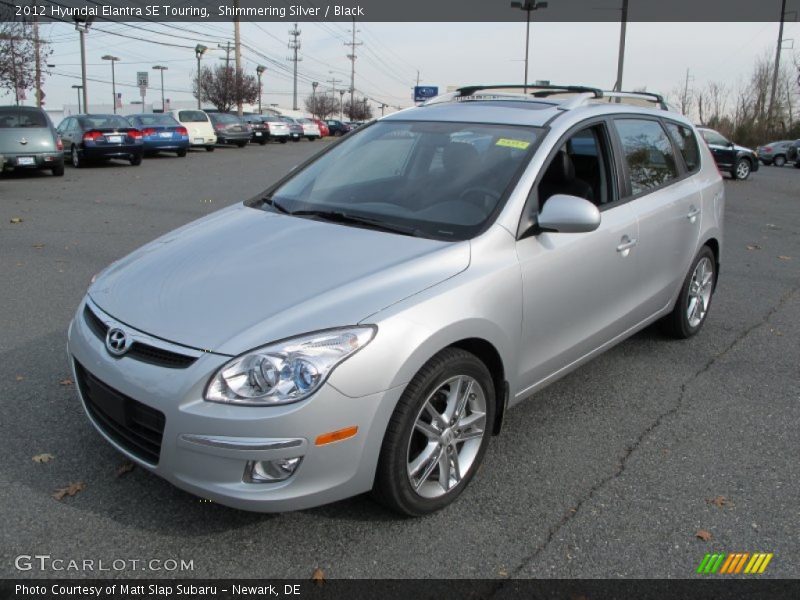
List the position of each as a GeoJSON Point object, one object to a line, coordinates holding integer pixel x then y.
{"type": "Point", "coordinates": [16, 220]}
{"type": "Point", "coordinates": [318, 576]}
{"type": "Point", "coordinates": [704, 535]}
{"type": "Point", "coordinates": [38, 246]}
{"type": "Point", "coordinates": [753, 247]}
{"type": "Point", "coordinates": [782, 257]}
{"type": "Point", "coordinates": [125, 467]}
{"type": "Point", "coordinates": [502, 572]}
{"type": "Point", "coordinates": [19, 378]}
{"type": "Point", "coordinates": [719, 501]}
{"type": "Point", "coordinates": [70, 490]}
{"type": "Point", "coordinates": [43, 458]}
{"type": "Point", "coordinates": [65, 382]}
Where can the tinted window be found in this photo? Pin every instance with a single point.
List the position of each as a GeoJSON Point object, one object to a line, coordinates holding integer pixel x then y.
{"type": "Point", "coordinates": [440, 180]}
{"type": "Point", "coordinates": [12, 117]}
{"type": "Point", "coordinates": [712, 137]}
{"type": "Point", "coordinates": [157, 119]}
{"type": "Point", "coordinates": [192, 116]}
{"type": "Point", "coordinates": [687, 144]}
{"type": "Point", "coordinates": [223, 118]}
{"type": "Point", "coordinates": [648, 153]}
{"type": "Point", "coordinates": [104, 122]}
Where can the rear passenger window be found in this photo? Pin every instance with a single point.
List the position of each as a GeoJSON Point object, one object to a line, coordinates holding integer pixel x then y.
{"type": "Point", "coordinates": [648, 152]}
{"type": "Point", "coordinates": [687, 144]}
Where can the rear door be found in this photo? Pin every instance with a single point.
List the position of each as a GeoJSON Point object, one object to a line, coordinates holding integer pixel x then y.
{"type": "Point", "coordinates": [667, 202]}
{"type": "Point", "coordinates": [722, 150]}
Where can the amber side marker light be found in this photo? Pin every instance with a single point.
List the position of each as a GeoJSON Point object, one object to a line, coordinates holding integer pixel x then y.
{"type": "Point", "coordinates": [336, 436]}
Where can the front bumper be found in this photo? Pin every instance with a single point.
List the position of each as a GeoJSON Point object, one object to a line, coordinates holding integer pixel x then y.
{"type": "Point", "coordinates": [205, 446]}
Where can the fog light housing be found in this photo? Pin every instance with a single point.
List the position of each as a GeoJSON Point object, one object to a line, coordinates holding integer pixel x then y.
{"type": "Point", "coordinates": [270, 471]}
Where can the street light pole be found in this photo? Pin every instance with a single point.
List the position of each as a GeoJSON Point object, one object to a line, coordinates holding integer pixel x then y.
{"type": "Point", "coordinates": [162, 69]}
{"type": "Point", "coordinates": [341, 105]}
{"type": "Point", "coordinates": [260, 70]}
{"type": "Point", "coordinates": [528, 6]}
{"type": "Point", "coordinates": [82, 26]}
{"type": "Point", "coordinates": [113, 59]}
{"type": "Point", "coordinates": [314, 85]}
{"type": "Point", "coordinates": [78, 89]}
{"type": "Point", "coordinates": [199, 50]}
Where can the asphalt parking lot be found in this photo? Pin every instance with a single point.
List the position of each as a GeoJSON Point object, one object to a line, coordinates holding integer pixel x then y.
{"type": "Point", "coordinates": [610, 472]}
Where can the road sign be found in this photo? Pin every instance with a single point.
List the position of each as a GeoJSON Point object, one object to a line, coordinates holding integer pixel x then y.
{"type": "Point", "coordinates": [142, 79]}
{"type": "Point", "coordinates": [424, 92]}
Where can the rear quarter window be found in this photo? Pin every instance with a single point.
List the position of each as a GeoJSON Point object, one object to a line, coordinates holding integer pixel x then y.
{"type": "Point", "coordinates": [192, 116]}
{"type": "Point", "coordinates": [687, 144]}
{"type": "Point", "coordinates": [648, 154]}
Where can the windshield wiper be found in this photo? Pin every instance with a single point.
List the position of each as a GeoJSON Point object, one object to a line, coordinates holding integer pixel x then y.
{"type": "Point", "coordinates": [278, 207]}
{"type": "Point", "coordinates": [336, 216]}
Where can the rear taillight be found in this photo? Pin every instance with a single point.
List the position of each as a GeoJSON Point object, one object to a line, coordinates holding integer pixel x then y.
{"type": "Point", "coordinates": [135, 134]}
{"type": "Point", "coordinates": [219, 127]}
{"type": "Point", "coordinates": [182, 131]}
{"type": "Point", "coordinates": [148, 131]}
{"type": "Point", "coordinates": [59, 144]}
{"type": "Point", "coordinates": [91, 136]}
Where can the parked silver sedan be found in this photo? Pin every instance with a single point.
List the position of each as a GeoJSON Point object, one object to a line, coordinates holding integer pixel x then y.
{"type": "Point", "coordinates": [367, 323]}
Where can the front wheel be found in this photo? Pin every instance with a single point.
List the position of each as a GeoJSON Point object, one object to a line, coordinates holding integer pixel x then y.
{"type": "Point", "coordinates": [58, 171]}
{"type": "Point", "coordinates": [742, 169]}
{"type": "Point", "coordinates": [283, 141]}
{"type": "Point", "coordinates": [75, 158]}
{"type": "Point", "coordinates": [694, 301]}
{"type": "Point", "coordinates": [209, 148]}
{"type": "Point", "coordinates": [437, 436]}
{"type": "Point", "coordinates": [779, 161]}
{"type": "Point", "coordinates": [181, 153]}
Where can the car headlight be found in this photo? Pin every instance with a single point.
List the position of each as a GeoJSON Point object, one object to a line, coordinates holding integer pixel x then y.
{"type": "Point", "coordinates": [286, 371]}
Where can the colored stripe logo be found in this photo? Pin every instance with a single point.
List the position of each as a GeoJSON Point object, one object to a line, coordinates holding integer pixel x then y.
{"type": "Point", "coordinates": [735, 563]}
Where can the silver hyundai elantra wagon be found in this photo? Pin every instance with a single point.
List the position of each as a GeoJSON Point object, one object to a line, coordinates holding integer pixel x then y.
{"type": "Point", "coordinates": [366, 323]}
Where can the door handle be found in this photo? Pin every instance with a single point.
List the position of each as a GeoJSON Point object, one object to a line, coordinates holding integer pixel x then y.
{"type": "Point", "coordinates": [627, 244]}
{"type": "Point", "coordinates": [693, 213]}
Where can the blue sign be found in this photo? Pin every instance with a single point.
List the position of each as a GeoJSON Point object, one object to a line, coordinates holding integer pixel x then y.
{"type": "Point", "coordinates": [424, 92]}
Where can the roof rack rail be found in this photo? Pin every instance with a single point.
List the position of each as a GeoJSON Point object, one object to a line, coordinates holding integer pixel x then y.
{"type": "Point", "coordinates": [539, 91]}
{"type": "Point", "coordinates": [649, 96]}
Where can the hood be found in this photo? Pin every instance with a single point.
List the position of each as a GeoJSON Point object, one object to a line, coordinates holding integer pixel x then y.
{"type": "Point", "coordinates": [243, 277]}
{"type": "Point", "coordinates": [743, 149]}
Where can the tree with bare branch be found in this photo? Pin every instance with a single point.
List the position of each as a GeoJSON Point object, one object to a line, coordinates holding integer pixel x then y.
{"type": "Point", "coordinates": [225, 87]}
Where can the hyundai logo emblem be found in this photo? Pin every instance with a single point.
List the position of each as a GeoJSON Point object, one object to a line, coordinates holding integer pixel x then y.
{"type": "Point", "coordinates": [117, 341]}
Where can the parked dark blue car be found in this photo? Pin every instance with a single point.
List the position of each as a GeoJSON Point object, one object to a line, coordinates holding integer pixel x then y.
{"type": "Point", "coordinates": [161, 133]}
{"type": "Point", "coordinates": [100, 137]}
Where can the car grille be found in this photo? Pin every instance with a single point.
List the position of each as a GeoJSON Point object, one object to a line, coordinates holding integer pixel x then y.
{"type": "Point", "coordinates": [138, 350]}
{"type": "Point", "coordinates": [134, 426]}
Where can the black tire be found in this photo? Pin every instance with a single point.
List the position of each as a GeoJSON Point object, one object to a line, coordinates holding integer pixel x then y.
{"type": "Point", "coordinates": [58, 170]}
{"type": "Point", "coordinates": [337, 134]}
{"type": "Point", "coordinates": [182, 152]}
{"type": "Point", "coordinates": [262, 142]}
{"type": "Point", "coordinates": [135, 160]}
{"type": "Point", "coordinates": [742, 169]}
{"type": "Point", "coordinates": [677, 324]}
{"type": "Point", "coordinates": [209, 148]}
{"type": "Point", "coordinates": [797, 164]}
{"type": "Point", "coordinates": [311, 138]}
{"type": "Point", "coordinates": [76, 159]}
{"type": "Point", "coordinates": [284, 140]}
{"type": "Point", "coordinates": [241, 144]}
{"type": "Point", "coordinates": [779, 160]}
{"type": "Point", "coordinates": [392, 487]}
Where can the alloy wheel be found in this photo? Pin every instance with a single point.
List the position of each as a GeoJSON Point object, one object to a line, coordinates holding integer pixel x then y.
{"type": "Point", "coordinates": [699, 295]}
{"type": "Point", "coordinates": [447, 436]}
{"type": "Point", "coordinates": [742, 169]}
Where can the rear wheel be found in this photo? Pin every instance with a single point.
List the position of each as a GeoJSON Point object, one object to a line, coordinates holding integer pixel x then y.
{"type": "Point", "coordinates": [135, 159]}
{"type": "Point", "coordinates": [75, 158]}
{"type": "Point", "coordinates": [58, 171]}
{"type": "Point", "coordinates": [262, 142]}
{"type": "Point", "coordinates": [284, 140]}
{"type": "Point", "coordinates": [241, 144]}
{"type": "Point", "coordinates": [694, 301]}
{"type": "Point", "coordinates": [182, 152]}
{"type": "Point", "coordinates": [742, 169]}
{"type": "Point", "coordinates": [209, 148]}
{"type": "Point", "coordinates": [437, 436]}
{"type": "Point", "coordinates": [779, 161]}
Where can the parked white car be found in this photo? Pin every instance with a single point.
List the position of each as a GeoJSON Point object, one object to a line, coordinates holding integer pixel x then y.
{"type": "Point", "coordinates": [197, 123]}
{"type": "Point", "coordinates": [310, 129]}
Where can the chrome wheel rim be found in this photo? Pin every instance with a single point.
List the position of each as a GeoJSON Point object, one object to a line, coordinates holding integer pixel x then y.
{"type": "Point", "coordinates": [743, 170]}
{"type": "Point", "coordinates": [447, 436]}
{"type": "Point", "coordinates": [700, 292]}
{"type": "Point", "coordinates": [75, 158]}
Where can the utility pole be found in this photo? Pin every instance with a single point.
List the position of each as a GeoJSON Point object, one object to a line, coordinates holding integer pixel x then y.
{"type": "Point", "coordinates": [777, 66]}
{"type": "Point", "coordinates": [162, 69]}
{"type": "Point", "coordinates": [294, 45]}
{"type": "Point", "coordinates": [341, 105]}
{"type": "Point", "coordinates": [82, 26]}
{"type": "Point", "coordinates": [227, 59]}
{"type": "Point", "coordinates": [685, 98]}
{"type": "Point", "coordinates": [14, 71]}
{"type": "Point", "coordinates": [237, 40]}
{"type": "Point", "coordinates": [352, 57]}
{"type": "Point", "coordinates": [383, 106]}
{"type": "Point", "coordinates": [621, 56]}
{"type": "Point", "coordinates": [528, 6]}
{"type": "Point", "coordinates": [37, 57]}
{"type": "Point", "coordinates": [260, 71]}
{"type": "Point", "coordinates": [333, 81]}
{"type": "Point", "coordinates": [78, 89]}
{"type": "Point", "coordinates": [314, 85]}
{"type": "Point", "coordinates": [417, 77]}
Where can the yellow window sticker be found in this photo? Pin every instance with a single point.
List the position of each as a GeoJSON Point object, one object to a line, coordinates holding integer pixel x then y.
{"type": "Point", "coordinates": [518, 144]}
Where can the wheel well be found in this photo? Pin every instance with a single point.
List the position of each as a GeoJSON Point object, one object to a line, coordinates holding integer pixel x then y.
{"type": "Point", "coordinates": [714, 245]}
{"type": "Point", "coordinates": [489, 355]}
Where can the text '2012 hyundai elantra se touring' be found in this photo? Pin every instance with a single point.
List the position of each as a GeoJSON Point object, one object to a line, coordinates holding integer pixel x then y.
{"type": "Point", "coordinates": [366, 323]}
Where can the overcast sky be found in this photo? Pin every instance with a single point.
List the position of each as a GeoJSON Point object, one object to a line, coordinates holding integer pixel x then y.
{"type": "Point", "coordinates": [657, 55]}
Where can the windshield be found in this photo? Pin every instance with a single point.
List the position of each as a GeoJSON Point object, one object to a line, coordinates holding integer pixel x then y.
{"type": "Point", "coordinates": [439, 180]}
{"type": "Point", "coordinates": [157, 119]}
{"type": "Point", "coordinates": [104, 122]}
{"type": "Point", "coordinates": [13, 117]}
{"type": "Point", "coordinates": [712, 137]}
{"type": "Point", "coordinates": [193, 116]}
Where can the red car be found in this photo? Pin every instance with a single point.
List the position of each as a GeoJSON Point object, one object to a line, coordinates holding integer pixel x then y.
{"type": "Point", "coordinates": [323, 127]}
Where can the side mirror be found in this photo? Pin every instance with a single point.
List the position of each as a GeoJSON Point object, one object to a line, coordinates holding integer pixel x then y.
{"type": "Point", "coordinates": [568, 214]}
